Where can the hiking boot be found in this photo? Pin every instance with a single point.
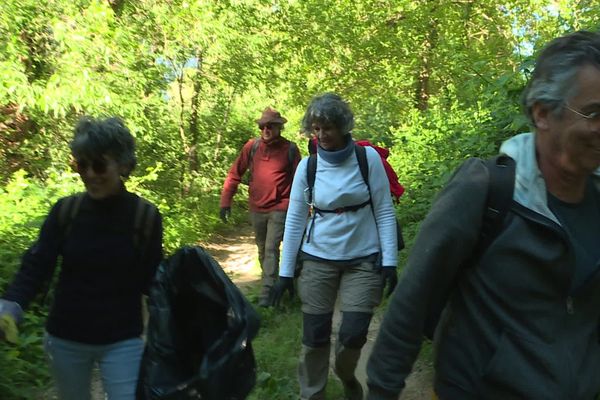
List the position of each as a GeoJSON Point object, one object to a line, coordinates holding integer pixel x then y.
{"type": "Point", "coordinates": [346, 360]}
{"type": "Point", "coordinates": [353, 390]}
{"type": "Point", "coordinates": [264, 302]}
{"type": "Point", "coordinates": [313, 372]}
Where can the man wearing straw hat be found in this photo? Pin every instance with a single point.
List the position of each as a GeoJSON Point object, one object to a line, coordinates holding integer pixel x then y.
{"type": "Point", "coordinates": [271, 160]}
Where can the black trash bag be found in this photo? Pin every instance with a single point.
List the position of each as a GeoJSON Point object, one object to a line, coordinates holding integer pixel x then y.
{"type": "Point", "coordinates": [199, 333]}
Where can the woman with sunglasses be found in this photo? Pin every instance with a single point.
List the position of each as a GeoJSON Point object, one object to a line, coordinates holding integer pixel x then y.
{"type": "Point", "coordinates": [342, 231]}
{"type": "Point", "coordinates": [96, 315]}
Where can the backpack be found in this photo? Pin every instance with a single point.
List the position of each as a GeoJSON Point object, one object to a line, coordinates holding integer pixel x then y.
{"type": "Point", "coordinates": [363, 164]}
{"type": "Point", "coordinates": [200, 332]}
{"type": "Point", "coordinates": [396, 188]}
{"type": "Point", "coordinates": [145, 215]}
{"type": "Point", "coordinates": [499, 198]}
{"type": "Point", "coordinates": [292, 152]}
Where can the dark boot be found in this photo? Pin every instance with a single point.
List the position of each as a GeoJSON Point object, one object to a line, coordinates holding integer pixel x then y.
{"type": "Point", "coordinates": [345, 364]}
{"type": "Point", "coordinates": [313, 371]}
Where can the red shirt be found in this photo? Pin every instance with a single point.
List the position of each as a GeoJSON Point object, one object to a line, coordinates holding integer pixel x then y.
{"type": "Point", "coordinates": [272, 176]}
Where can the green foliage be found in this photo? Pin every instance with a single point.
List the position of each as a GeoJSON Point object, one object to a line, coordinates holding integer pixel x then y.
{"type": "Point", "coordinates": [277, 348]}
{"type": "Point", "coordinates": [23, 205]}
{"type": "Point", "coordinates": [434, 81]}
{"type": "Point", "coordinates": [23, 366]}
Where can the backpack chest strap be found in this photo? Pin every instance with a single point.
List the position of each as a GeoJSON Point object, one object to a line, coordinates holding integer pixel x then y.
{"type": "Point", "coordinates": [344, 209]}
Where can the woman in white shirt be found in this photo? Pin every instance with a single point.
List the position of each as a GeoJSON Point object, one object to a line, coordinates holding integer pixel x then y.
{"type": "Point", "coordinates": [342, 234]}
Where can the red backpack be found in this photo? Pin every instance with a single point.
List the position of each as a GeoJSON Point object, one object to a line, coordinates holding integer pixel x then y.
{"type": "Point", "coordinates": [395, 187]}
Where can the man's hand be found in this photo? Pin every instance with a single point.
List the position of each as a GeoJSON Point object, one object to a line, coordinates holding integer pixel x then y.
{"type": "Point", "coordinates": [277, 291]}
{"type": "Point", "coordinates": [10, 315]}
{"type": "Point", "coordinates": [389, 278]}
{"type": "Point", "coordinates": [224, 214]}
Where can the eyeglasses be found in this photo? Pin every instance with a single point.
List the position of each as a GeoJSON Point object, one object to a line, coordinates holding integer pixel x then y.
{"type": "Point", "coordinates": [98, 165]}
{"type": "Point", "coordinates": [594, 116]}
{"type": "Point", "coordinates": [268, 126]}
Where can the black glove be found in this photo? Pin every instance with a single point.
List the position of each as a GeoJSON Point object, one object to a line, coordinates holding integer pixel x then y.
{"type": "Point", "coordinates": [389, 278]}
{"type": "Point", "coordinates": [277, 291]}
{"type": "Point", "coordinates": [224, 214]}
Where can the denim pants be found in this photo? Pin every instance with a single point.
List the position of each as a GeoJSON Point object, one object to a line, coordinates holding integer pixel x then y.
{"type": "Point", "coordinates": [71, 365]}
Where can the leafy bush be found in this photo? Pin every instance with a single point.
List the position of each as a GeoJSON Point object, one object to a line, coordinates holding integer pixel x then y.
{"type": "Point", "coordinates": [23, 204]}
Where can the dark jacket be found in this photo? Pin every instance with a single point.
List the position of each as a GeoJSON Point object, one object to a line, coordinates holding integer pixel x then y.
{"type": "Point", "coordinates": [97, 299]}
{"type": "Point", "coordinates": [272, 175]}
{"type": "Point", "coordinates": [514, 327]}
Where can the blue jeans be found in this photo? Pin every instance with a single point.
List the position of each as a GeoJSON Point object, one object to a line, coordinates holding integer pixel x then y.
{"type": "Point", "coordinates": [71, 365]}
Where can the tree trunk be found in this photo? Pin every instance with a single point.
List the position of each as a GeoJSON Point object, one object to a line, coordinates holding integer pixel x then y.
{"type": "Point", "coordinates": [193, 162]}
{"type": "Point", "coordinates": [219, 134]}
{"type": "Point", "coordinates": [117, 6]}
{"type": "Point", "coordinates": [422, 88]}
{"type": "Point", "coordinates": [185, 184]}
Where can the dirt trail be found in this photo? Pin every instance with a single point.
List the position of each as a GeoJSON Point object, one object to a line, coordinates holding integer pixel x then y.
{"type": "Point", "coordinates": [418, 384]}
{"type": "Point", "coordinates": [235, 250]}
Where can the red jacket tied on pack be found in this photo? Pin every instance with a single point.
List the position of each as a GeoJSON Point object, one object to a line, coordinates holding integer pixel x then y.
{"type": "Point", "coordinates": [272, 175]}
{"type": "Point", "coordinates": [395, 187]}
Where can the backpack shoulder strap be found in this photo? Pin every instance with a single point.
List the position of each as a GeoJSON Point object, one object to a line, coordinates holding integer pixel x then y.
{"type": "Point", "coordinates": [68, 211]}
{"type": "Point", "coordinates": [253, 150]}
{"type": "Point", "coordinates": [500, 192]}
{"type": "Point", "coordinates": [311, 172]}
{"type": "Point", "coordinates": [145, 215]}
{"type": "Point", "coordinates": [292, 151]}
{"type": "Point", "coordinates": [363, 164]}
{"type": "Point", "coordinates": [499, 197]}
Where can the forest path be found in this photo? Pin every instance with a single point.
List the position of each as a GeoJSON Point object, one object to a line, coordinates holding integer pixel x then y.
{"type": "Point", "coordinates": [235, 250]}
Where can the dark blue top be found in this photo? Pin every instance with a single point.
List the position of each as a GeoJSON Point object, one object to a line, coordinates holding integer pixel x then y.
{"type": "Point", "coordinates": [581, 221]}
{"type": "Point", "coordinates": [97, 299]}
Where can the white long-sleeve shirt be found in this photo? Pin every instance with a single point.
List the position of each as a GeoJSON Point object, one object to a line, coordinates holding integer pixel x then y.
{"type": "Point", "coordinates": [344, 236]}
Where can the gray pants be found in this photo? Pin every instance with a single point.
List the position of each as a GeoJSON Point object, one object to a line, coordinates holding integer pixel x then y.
{"type": "Point", "coordinates": [360, 291]}
{"type": "Point", "coordinates": [268, 234]}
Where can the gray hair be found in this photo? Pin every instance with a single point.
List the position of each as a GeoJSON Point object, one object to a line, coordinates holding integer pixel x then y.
{"type": "Point", "coordinates": [95, 138]}
{"type": "Point", "coordinates": [329, 108]}
{"type": "Point", "coordinates": [555, 74]}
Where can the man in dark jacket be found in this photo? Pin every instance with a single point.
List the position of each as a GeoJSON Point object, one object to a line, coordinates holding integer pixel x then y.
{"type": "Point", "coordinates": [272, 161]}
{"type": "Point", "coordinates": [522, 321]}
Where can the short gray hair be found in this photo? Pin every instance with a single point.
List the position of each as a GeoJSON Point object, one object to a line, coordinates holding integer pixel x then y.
{"type": "Point", "coordinates": [329, 108]}
{"type": "Point", "coordinates": [95, 138]}
{"type": "Point", "coordinates": [556, 69]}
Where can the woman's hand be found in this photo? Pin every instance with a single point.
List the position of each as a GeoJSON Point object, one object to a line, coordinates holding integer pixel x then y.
{"type": "Point", "coordinates": [11, 314]}
{"type": "Point", "coordinates": [277, 291]}
{"type": "Point", "coordinates": [389, 278]}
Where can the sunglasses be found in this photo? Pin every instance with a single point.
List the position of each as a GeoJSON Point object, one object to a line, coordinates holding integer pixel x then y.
{"type": "Point", "coordinates": [98, 165]}
{"type": "Point", "coordinates": [268, 125]}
